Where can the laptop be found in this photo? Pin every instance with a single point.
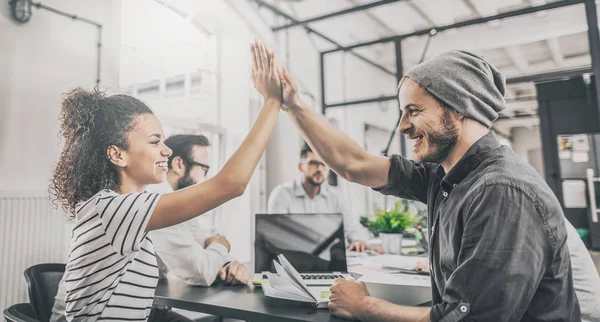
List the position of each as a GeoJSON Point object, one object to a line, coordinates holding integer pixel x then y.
{"type": "Point", "coordinates": [313, 243]}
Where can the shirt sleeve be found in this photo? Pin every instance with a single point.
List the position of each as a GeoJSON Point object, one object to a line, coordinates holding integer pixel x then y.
{"type": "Point", "coordinates": [125, 217]}
{"type": "Point", "coordinates": [278, 201]}
{"type": "Point", "coordinates": [407, 179]}
{"type": "Point", "coordinates": [504, 252]}
{"type": "Point", "coordinates": [187, 259]}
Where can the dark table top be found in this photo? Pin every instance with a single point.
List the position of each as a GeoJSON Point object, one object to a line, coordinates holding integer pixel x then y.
{"type": "Point", "coordinates": [239, 302]}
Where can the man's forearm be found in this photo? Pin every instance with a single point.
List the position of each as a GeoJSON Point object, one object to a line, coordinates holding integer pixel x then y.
{"type": "Point", "coordinates": [383, 311]}
{"type": "Point", "coordinates": [334, 147]}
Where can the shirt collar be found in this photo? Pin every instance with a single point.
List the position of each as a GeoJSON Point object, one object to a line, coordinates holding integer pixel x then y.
{"type": "Point", "coordinates": [474, 155]}
{"type": "Point", "coordinates": [300, 192]}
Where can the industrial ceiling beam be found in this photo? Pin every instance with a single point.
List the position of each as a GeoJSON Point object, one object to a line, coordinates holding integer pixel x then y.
{"type": "Point", "coordinates": [335, 14]}
{"type": "Point", "coordinates": [524, 11]}
{"type": "Point", "coordinates": [278, 12]}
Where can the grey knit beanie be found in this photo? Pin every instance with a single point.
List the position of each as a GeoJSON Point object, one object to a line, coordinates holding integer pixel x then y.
{"type": "Point", "coordinates": [465, 82]}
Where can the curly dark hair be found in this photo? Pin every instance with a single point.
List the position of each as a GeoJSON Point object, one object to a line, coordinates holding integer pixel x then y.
{"type": "Point", "coordinates": [91, 122]}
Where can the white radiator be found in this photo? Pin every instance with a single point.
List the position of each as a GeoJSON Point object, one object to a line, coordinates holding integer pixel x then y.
{"type": "Point", "coordinates": [32, 232]}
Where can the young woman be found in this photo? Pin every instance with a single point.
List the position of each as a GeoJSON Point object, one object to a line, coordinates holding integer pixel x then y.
{"type": "Point", "coordinates": [114, 147]}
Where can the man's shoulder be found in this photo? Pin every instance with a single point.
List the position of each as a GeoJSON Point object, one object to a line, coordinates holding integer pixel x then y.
{"type": "Point", "coordinates": [180, 231]}
{"type": "Point", "coordinates": [333, 191]}
{"type": "Point", "coordinates": [287, 187]}
{"type": "Point", "coordinates": [508, 171]}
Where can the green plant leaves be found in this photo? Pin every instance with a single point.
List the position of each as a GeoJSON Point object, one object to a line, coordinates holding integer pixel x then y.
{"type": "Point", "coordinates": [394, 221]}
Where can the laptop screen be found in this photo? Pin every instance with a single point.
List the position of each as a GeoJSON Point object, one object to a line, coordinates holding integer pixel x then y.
{"type": "Point", "coordinates": [311, 242]}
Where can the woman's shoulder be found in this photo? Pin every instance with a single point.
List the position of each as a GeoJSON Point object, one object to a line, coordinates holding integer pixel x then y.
{"type": "Point", "coordinates": [90, 203]}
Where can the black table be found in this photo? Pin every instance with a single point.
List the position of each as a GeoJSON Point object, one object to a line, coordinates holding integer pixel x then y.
{"type": "Point", "coordinates": [238, 302]}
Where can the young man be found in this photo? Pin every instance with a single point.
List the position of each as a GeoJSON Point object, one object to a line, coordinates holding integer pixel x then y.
{"type": "Point", "coordinates": [498, 247]}
{"type": "Point", "coordinates": [309, 195]}
{"type": "Point", "coordinates": [185, 250]}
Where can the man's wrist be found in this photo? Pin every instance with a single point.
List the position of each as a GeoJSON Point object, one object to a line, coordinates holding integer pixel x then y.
{"type": "Point", "coordinates": [299, 104]}
{"type": "Point", "coordinates": [367, 308]}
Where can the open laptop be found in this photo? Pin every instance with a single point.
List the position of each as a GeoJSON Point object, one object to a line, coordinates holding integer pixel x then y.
{"type": "Point", "coordinates": [313, 243]}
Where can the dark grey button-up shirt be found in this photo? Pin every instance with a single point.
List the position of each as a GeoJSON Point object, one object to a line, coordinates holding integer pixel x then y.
{"type": "Point", "coordinates": [497, 237]}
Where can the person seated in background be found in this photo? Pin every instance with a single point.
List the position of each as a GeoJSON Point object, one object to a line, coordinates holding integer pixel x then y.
{"type": "Point", "coordinates": [310, 195]}
{"type": "Point", "coordinates": [586, 280]}
{"type": "Point", "coordinates": [185, 250]}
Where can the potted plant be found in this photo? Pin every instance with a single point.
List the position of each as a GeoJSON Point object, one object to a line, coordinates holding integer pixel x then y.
{"type": "Point", "coordinates": [391, 224]}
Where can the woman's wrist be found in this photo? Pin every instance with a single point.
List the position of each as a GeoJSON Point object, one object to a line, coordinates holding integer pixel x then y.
{"type": "Point", "coordinates": [272, 100]}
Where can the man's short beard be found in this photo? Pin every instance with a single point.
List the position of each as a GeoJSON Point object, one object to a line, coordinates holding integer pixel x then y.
{"type": "Point", "coordinates": [185, 181]}
{"type": "Point", "coordinates": [443, 141]}
{"type": "Point", "coordinates": [312, 182]}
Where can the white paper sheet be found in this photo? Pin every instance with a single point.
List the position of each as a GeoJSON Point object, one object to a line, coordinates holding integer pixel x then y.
{"type": "Point", "coordinates": [574, 194]}
{"type": "Point", "coordinates": [395, 261]}
{"type": "Point", "coordinates": [581, 142]}
{"type": "Point", "coordinates": [397, 279]}
{"type": "Point", "coordinates": [580, 157]}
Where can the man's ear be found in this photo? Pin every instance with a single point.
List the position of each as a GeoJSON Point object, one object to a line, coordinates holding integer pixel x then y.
{"type": "Point", "coordinates": [177, 166]}
{"type": "Point", "coordinates": [459, 116]}
{"type": "Point", "coordinates": [117, 156]}
{"type": "Point", "coordinates": [300, 167]}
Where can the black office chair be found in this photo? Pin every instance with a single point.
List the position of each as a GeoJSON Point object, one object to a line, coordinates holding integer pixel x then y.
{"type": "Point", "coordinates": [43, 282]}
{"type": "Point", "coordinates": [22, 312]}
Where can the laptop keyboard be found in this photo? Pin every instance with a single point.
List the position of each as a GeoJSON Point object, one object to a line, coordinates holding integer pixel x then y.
{"type": "Point", "coordinates": [320, 277]}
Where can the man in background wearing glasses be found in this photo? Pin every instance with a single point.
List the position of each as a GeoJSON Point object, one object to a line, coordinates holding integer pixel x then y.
{"type": "Point", "coordinates": [308, 195]}
{"type": "Point", "coordinates": [186, 250]}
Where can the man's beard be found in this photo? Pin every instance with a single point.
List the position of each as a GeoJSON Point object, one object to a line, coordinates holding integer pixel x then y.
{"type": "Point", "coordinates": [312, 182]}
{"type": "Point", "coordinates": [441, 142]}
{"type": "Point", "coordinates": [185, 181]}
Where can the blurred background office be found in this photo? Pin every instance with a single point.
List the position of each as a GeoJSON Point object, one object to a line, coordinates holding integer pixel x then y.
{"type": "Point", "coordinates": [189, 60]}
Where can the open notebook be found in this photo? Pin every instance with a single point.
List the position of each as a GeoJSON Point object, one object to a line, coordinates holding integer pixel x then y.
{"type": "Point", "coordinates": [287, 284]}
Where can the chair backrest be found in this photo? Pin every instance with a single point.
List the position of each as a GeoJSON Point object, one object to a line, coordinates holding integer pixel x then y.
{"type": "Point", "coordinates": [22, 312]}
{"type": "Point", "coordinates": [43, 282]}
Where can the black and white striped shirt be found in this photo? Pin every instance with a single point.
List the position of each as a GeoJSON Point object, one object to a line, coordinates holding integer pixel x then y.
{"type": "Point", "coordinates": [111, 271]}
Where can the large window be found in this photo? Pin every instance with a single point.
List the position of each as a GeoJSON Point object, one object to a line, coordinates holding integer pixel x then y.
{"type": "Point", "coordinates": [169, 62]}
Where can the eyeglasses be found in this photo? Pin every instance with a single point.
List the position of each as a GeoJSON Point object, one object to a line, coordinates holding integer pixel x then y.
{"type": "Point", "coordinates": [314, 163]}
{"type": "Point", "coordinates": [201, 165]}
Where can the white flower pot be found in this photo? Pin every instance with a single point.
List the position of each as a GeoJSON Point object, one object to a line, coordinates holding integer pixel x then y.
{"type": "Point", "coordinates": [391, 243]}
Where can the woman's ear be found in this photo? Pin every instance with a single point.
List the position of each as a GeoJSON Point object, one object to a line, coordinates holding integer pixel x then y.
{"type": "Point", "coordinates": [117, 156]}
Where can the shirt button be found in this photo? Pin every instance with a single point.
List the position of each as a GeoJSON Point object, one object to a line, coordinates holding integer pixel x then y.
{"type": "Point", "coordinates": [454, 185]}
{"type": "Point", "coordinates": [445, 194]}
{"type": "Point", "coordinates": [463, 309]}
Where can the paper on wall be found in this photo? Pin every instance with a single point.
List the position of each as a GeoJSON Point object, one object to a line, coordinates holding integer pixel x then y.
{"type": "Point", "coordinates": [581, 142]}
{"type": "Point", "coordinates": [580, 156]}
{"type": "Point", "coordinates": [564, 155]}
{"type": "Point", "coordinates": [574, 194]}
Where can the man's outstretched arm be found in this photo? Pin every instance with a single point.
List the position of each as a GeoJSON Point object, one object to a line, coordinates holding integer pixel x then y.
{"type": "Point", "coordinates": [340, 152]}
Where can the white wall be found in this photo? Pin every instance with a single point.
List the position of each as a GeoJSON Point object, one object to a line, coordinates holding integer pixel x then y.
{"type": "Point", "coordinates": [39, 61]}
{"type": "Point", "coordinates": [237, 114]}
{"type": "Point", "coordinates": [525, 140]}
